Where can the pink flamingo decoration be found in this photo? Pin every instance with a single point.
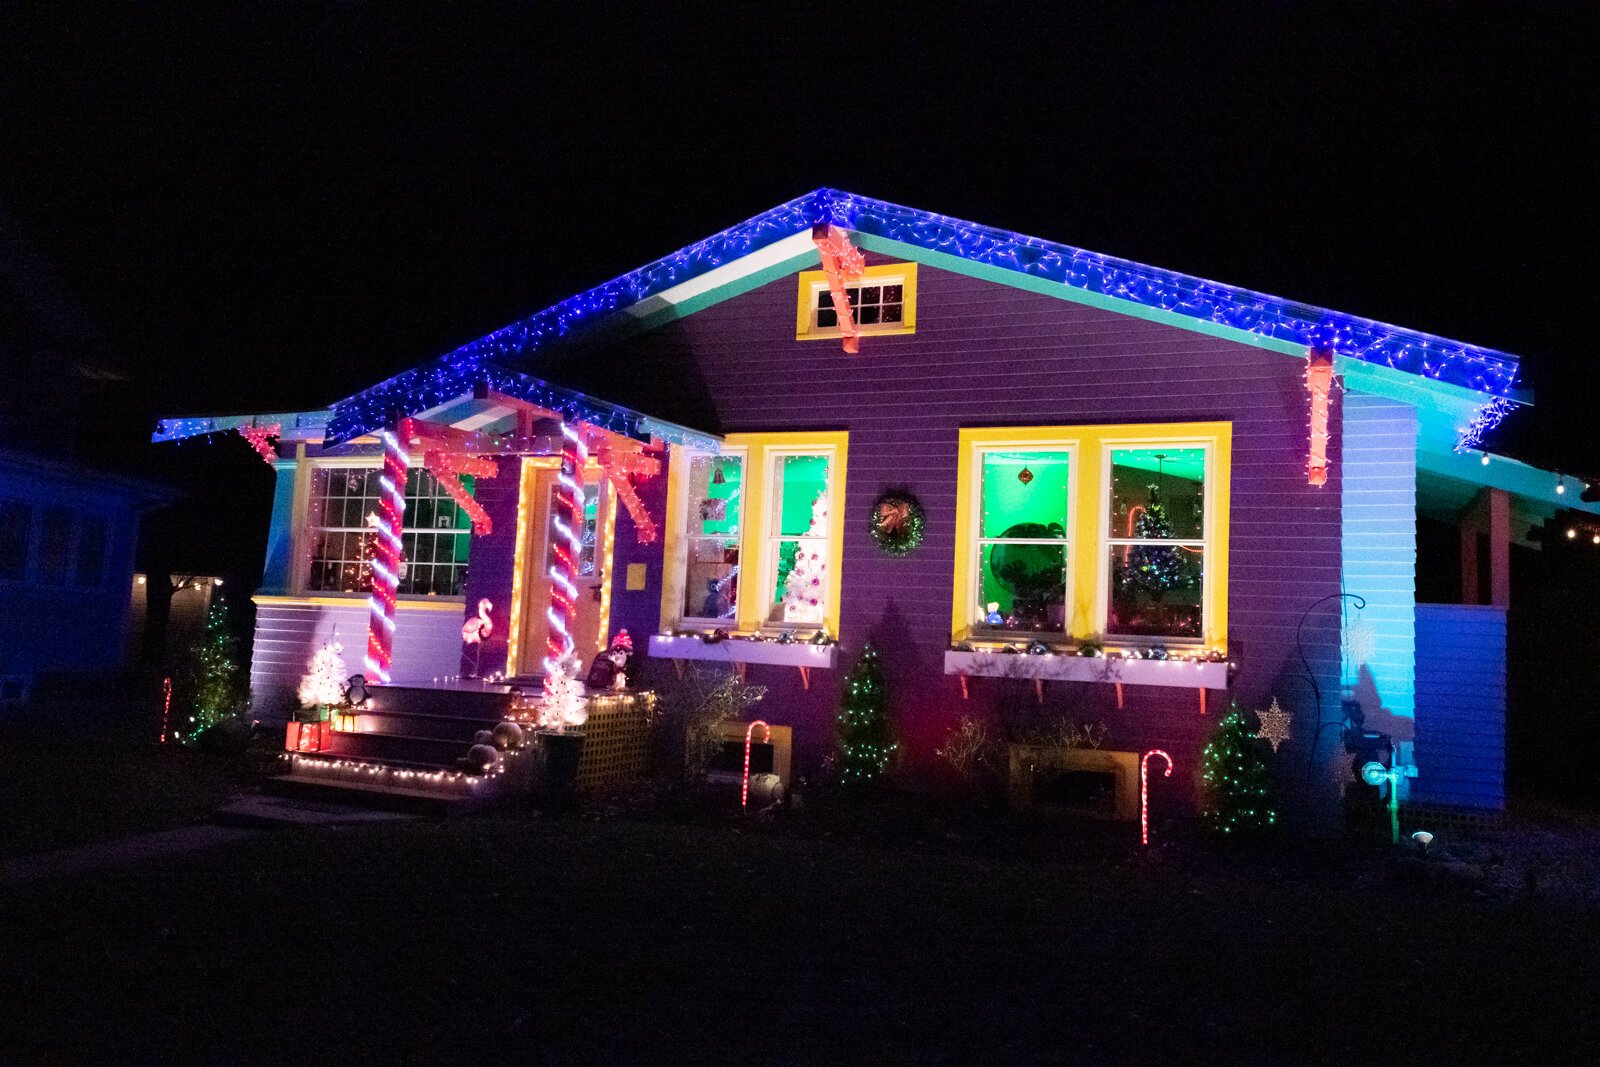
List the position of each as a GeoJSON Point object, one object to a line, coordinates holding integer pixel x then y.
{"type": "Point", "coordinates": [476, 630]}
{"type": "Point", "coordinates": [1144, 791]}
{"type": "Point", "coordinates": [766, 736]}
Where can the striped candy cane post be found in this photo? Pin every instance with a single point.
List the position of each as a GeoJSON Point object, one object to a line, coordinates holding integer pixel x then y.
{"type": "Point", "coordinates": [566, 524]}
{"type": "Point", "coordinates": [386, 559]}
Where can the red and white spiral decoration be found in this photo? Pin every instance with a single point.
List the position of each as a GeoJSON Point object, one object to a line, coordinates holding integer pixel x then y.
{"type": "Point", "coordinates": [567, 539]}
{"type": "Point", "coordinates": [387, 557]}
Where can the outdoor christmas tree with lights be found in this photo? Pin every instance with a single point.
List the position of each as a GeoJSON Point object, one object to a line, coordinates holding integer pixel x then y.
{"type": "Point", "coordinates": [802, 587]}
{"type": "Point", "coordinates": [864, 745]}
{"type": "Point", "coordinates": [1236, 782]}
{"type": "Point", "coordinates": [212, 677]}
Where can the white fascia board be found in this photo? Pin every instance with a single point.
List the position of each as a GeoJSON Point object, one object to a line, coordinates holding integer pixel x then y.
{"type": "Point", "coordinates": [767, 256]}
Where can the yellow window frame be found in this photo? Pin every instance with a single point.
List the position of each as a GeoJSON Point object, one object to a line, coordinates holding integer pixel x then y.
{"type": "Point", "coordinates": [814, 281]}
{"type": "Point", "coordinates": [755, 523]}
{"type": "Point", "coordinates": [1089, 510]}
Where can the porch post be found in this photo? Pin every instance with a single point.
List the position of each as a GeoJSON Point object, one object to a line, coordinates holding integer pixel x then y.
{"type": "Point", "coordinates": [1469, 557]}
{"type": "Point", "coordinates": [1499, 548]}
{"type": "Point", "coordinates": [387, 558]}
{"type": "Point", "coordinates": [566, 538]}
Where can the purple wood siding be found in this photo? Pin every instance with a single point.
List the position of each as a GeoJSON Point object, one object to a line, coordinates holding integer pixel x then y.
{"type": "Point", "coordinates": [990, 355]}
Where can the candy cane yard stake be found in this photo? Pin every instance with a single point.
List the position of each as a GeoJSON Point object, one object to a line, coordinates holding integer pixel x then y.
{"type": "Point", "coordinates": [766, 738]}
{"type": "Point", "coordinates": [1144, 791]}
{"type": "Point", "coordinates": [568, 546]}
{"type": "Point", "coordinates": [386, 559]}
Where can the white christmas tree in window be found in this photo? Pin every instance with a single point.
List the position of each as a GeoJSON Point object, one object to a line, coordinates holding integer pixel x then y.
{"type": "Point", "coordinates": [323, 683]}
{"type": "Point", "coordinates": [803, 588]}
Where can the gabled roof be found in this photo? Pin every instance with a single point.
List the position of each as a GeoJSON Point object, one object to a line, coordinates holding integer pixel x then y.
{"type": "Point", "coordinates": [773, 242]}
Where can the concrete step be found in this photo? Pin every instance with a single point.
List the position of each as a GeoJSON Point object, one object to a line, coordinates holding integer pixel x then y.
{"type": "Point", "coordinates": [428, 801]}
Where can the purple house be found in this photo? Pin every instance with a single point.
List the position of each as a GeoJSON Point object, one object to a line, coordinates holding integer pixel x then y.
{"type": "Point", "coordinates": [1042, 482]}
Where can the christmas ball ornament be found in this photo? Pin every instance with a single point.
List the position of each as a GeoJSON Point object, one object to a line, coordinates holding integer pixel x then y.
{"type": "Point", "coordinates": [508, 737]}
{"type": "Point", "coordinates": [786, 638]}
{"type": "Point", "coordinates": [1156, 652]}
{"type": "Point", "coordinates": [1024, 476]}
{"type": "Point", "coordinates": [714, 636]}
{"type": "Point", "coordinates": [1091, 648]}
{"type": "Point", "coordinates": [896, 523]}
{"type": "Point", "coordinates": [1038, 648]}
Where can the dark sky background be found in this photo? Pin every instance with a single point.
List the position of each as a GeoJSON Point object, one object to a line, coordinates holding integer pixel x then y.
{"type": "Point", "coordinates": [269, 206]}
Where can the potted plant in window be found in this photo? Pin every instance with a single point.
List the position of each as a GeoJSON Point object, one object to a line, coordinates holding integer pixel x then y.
{"type": "Point", "coordinates": [563, 705]}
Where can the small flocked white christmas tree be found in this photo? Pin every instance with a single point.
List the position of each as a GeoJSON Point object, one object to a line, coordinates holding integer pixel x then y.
{"type": "Point", "coordinates": [563, 703]}
{"type": "Point", "coordinates": [323, 683]}
{"type": "Point", "coordinates": [803, 588]}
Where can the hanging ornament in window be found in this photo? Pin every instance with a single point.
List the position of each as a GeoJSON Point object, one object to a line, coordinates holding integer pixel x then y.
{"type": "Point", "coordinates": [897, 523]}
{"type": "Point", "coordinates": [1024, 476]}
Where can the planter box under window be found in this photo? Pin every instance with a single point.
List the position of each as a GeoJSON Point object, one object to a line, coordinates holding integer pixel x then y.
{"type": "Point", "coordinates": [744, 650]}
{"type": "Point", "coordinates": [1070, 668]}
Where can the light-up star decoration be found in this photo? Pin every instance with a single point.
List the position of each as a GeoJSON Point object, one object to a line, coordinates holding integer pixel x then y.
{"type": "Point", "coordinates": [1275, 724]}
{"type": "Point", "coordinates": [1360, 642]}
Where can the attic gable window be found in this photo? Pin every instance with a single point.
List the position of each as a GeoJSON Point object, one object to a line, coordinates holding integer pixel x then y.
{"type": "Point", "coordinates": [884, 301]}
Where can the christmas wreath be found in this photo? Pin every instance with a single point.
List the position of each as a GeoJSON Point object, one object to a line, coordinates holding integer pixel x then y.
{"type": "Point", "coordinates": [896, 523]}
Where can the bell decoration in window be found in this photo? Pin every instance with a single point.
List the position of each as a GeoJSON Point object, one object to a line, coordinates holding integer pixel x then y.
{"type": "Point", "coordinates": [897, 523]}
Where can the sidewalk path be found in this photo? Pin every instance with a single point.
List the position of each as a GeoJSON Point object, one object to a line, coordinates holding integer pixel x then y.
{"type": "Point", "coordinates": [118, 853]}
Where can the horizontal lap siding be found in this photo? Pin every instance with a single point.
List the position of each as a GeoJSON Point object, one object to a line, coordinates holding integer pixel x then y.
{"type": "Point", "coordinates": [1461, 705]}
{"type": "Point", "coordinates": [426, 644]}
{"type": "Point", "coordinates": [988, 355]}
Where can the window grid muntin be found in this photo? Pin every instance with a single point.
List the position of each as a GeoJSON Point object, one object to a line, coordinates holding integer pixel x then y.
{"type": "Point", "coordinates": [1108, 543]}
{"type": "Point", "coordinates": [735, 536]}
{"type": "Point", "coordinates": [435, 557]}
{"type": "Point", "coordinates": [822, 305]}
{"type": "Point", "coordinates": [772, 599]}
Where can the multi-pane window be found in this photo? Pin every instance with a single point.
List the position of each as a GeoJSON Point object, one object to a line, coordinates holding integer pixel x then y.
{"type": "Point", "coordinates": [1155, 543]}
{"type": "Point", "coordinates": [715, 503]}
{"type": "Point", "coordinates": [1025, 510]}
{"type": "Point", "coordinates": [436, 535]}
{"type": "Point", "coordinates": [93, 534]}
{"type": "Point", "coordinates": [55, 545]}
{"type": "Point", "coordinates": [871, 304]}
{"type": "Point", "coordinates": [16, 534]}
{"type": "Point", "coordinates": [798, 526]}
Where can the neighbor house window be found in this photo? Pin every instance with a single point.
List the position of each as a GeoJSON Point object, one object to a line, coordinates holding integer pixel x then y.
{"type": "Point", "coordinates": [1116, 534]}
{"type": "Point", "coordinates": [55, 545]}
{"type": "Point", "coordinates": [16, 534]}
{"type": "Point", "coordinates": [755, 536]}
{"type": "Point", "coordinates": [436, 534]}
{"type": "Point", "coordinates": [715, 506]}
{"type": "Point", "coordinates": [92, 537]}
{"type": "Point", "coordinates": [882, 301]}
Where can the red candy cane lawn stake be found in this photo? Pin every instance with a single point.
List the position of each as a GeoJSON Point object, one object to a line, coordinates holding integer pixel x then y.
{"type": "Point", "coordinates": [1144, 791]}
{"type": "Point", "coordinates": [766, 738]}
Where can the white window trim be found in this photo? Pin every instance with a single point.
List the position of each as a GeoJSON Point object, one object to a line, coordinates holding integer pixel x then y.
{"type": "Point", "coordinates": [1104, 542]}
{"type": "Point", "coordinates": [980, 632]}
{"type": "Point", "coordinates": [771, 512]}
{"type": "Point", "coordinates": [696, 622]}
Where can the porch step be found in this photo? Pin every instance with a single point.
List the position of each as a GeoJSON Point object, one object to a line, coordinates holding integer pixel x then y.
{"type": "Point", "coordinates": [419, 724]}
{"type": "Point", "coordinates": [479, 702]}
{"type": "Point", "coordinates": [423, 751]}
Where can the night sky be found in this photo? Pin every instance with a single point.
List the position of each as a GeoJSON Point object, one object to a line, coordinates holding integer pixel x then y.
{"type": "Point", "coordinates": [269, 206]}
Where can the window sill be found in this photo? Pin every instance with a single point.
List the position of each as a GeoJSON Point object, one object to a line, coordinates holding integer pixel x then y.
{"type": "Point", "coordinates": [1074, 668]}
{"type": "Point", "coordinates": [745, 650]}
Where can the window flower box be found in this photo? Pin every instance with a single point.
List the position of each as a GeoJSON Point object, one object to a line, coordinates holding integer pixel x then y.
{"type": "Point", "coordinates": [745, 650]}
{"type": "Point", "coordinates": [1070, 667]}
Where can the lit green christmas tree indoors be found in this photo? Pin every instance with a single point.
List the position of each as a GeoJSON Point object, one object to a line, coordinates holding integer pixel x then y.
{"type": "Point", "coordinates": [212, 675]}
{"type": "Point", "coordinates": [1236, 781]}
{"type": "Point", "coordinates": [864, 745]}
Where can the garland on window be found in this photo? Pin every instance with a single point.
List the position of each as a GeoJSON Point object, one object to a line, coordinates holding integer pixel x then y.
{"type": "Point", "coordinates": [897, 523]}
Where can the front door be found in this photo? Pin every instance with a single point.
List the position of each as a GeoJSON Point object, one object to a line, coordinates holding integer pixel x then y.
{"type": "Point", "coordinates": [593, 570]}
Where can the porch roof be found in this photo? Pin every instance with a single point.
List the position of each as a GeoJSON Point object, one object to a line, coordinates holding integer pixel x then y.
{"type": "Point", "coordinates": [465, 396]}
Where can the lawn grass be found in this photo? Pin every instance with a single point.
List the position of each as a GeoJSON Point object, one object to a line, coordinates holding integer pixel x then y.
{"type": "Point", "coordinates": [622, 941]}
{"type": "Point", "coordinates": [62, 786]}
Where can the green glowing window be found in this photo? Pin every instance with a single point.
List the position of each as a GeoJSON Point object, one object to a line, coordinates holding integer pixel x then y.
{"type": "Point", "coordinates": [1022, 540]}
{"type": "Point", "coordinates": [797, 539]}
{"type": "Point", "coordinates": [1155, 544]}
{"type": "Point", "coordinates": [716, 504]}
